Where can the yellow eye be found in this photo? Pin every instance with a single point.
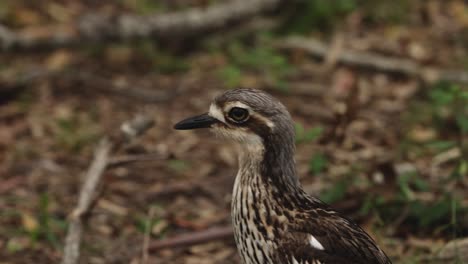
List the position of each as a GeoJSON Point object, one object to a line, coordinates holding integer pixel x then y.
{"type": "Point", "coordinates": [238, 114]}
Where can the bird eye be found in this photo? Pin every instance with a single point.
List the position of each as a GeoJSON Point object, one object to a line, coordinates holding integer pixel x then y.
{"type": "Point", "coordinates": [238, 114]}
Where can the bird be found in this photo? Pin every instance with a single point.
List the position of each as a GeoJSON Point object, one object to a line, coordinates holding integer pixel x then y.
{"type": "Point", "coordinates": [274, 219]}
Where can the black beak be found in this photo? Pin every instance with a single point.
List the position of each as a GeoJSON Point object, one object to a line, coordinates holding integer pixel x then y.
{"type": "Point", "coordinates": [201, 121]}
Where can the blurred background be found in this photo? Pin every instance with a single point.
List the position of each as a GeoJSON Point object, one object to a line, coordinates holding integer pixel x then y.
{"type": "Point", "coordinates": [377, 89]}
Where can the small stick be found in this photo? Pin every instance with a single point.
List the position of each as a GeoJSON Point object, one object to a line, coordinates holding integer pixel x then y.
{"type": "Point", "coordinates": [87, 196]}
{"type": "Point", "coordinates": [215, 233]}
{"type": "Point", "coordinates": [89, 193]}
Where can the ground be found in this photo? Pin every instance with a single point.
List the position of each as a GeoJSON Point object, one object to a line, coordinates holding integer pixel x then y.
{"type": "Point", "coordinates": [386, 148]}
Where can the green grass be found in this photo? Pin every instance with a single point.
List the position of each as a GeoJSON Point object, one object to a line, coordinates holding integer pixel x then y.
{"type": "Point", "coordinates": [444, 110]}
{"type": "Point", "coordinates": [162, 60]}
{"type": "Point", "coordinates": [307, 16]}
{"type": "Point", "coordinates": [307, 135]}
{"type": "Point", "coordinates": [146, 223]}
{"type": "Point", "coordinates": [337, 192]}
{"type": "Point", "coordinates": [47, 223]}
{"type": "Point", "coordinates": [144, 6]}
{"type": "Point", "coordinates": [178, 165]}
{"type": "Point", "coordinates": [5, 9]}
{"type": "Point", "coordinates": [324, 15]}
{"type": "Point", "coordinates": [318, 163]}
{"type": "Point", "coordinates": [260, 59]}
{"type": "Point", "coordinates": [38, 227]}
{"type": "Point", "coordinates": [74, 133]}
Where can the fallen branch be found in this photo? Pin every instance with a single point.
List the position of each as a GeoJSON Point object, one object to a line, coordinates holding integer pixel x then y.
{"type": "Point", "coordinates": [98, 27]}
{"type": "Point", "coordinates": [88, 80]}
{"type": "Point", "coordinates": [374, 61]}
{"type": "Point", "coordinates": [124, 89]}
{"type": "Point", "coordinates": [89, 193]}
{"type": "Point", "coordinates": [215, 233]}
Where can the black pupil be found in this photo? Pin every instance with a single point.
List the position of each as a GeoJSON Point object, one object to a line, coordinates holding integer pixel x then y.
{"type": "Point", "coordinates": [238, 114]}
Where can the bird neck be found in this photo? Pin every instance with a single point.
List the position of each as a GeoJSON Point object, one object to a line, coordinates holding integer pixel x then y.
{"type": "Point", "coordinates": [272, 162]}
{"type": "Point", "coordinates": [278, 163]}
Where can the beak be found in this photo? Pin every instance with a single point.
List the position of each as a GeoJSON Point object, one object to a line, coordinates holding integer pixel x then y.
{"type": "Point", "coordinates": [201, 121]}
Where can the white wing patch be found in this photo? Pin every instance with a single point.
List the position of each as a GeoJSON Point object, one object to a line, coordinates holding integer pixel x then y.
{"type": "Point", "coordinates": [315, 243]}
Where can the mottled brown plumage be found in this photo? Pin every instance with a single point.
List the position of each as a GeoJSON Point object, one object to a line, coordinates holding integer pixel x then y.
{"type": "Point", "coordinates": [274, 220]}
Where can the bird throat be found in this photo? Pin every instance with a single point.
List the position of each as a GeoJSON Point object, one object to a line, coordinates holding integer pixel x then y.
{"type": "Point", "coordinates": [269, 163]}
{"type": "Point", "coordinates": [266, 175]}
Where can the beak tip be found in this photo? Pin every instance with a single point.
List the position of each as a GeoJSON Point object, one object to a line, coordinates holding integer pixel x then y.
{"type": "Point", "coordinates": [201, 121]}
{"type": "Point", "coordinates": [178, 126]}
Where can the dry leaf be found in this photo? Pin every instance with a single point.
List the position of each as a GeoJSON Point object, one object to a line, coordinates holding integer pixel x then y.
{"type": "Point", "coordinates": [58, 60]}
{"type": "Point", "coordinates": [29, 222]}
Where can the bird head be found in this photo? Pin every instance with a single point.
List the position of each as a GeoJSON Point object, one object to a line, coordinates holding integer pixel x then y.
{"type": "Point", "coordinates": [247, 116]}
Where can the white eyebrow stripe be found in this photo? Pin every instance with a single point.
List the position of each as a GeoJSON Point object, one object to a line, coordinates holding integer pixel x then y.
{"type": "Point", "coordinates": [216, 113]}
{"type": "Point", "coordinates": [264, 119]}
{"type": "Point", "coordinates": [315, 243]}
{"type": "Point", "coordinates": [230, 105]}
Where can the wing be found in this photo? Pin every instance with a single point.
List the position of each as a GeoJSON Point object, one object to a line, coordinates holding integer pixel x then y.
{"type": "Point", "coordinates": [324, 236]}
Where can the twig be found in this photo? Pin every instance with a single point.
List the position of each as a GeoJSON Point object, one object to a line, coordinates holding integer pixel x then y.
{"type": "Point", "coordinates": [88, 193]}
{"type": "Point", "coordinates": [133, 128]}
{"type": "Point", "coordinates": [215, 233]}
{"type": "Point", "coordinates": [375, 61]}
{"type": "Point", "coordinates": [87, 196]}
{"type": "Point", "coordinates": [99, 27]}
